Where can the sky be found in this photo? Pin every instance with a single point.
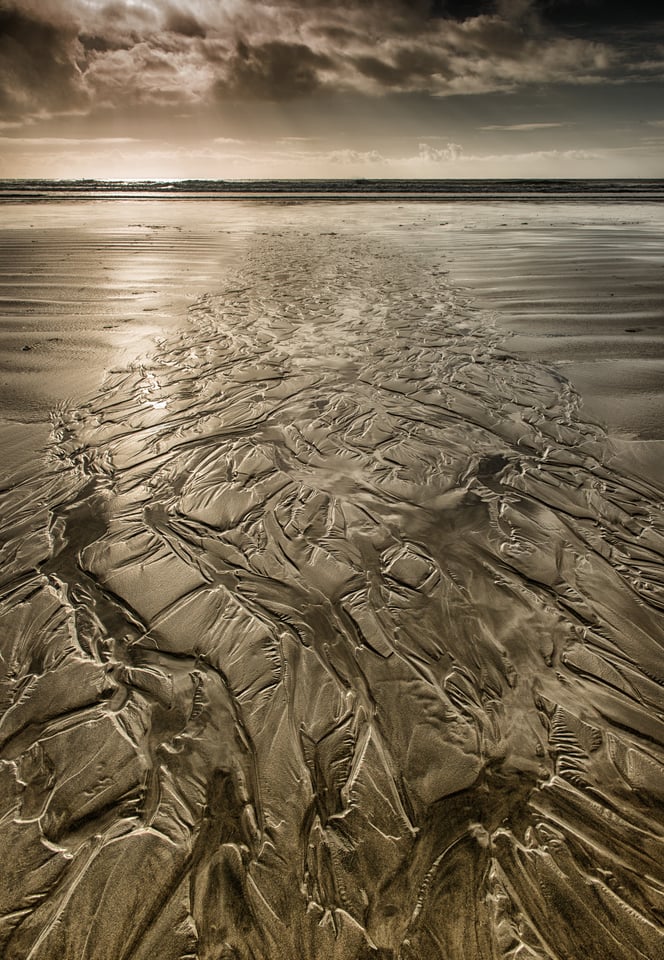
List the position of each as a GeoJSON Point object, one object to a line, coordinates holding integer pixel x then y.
{"type": "Point", "coordinates": [235, 89]}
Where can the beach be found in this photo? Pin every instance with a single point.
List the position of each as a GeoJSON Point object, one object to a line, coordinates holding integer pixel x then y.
{"type": "Point", "coordinates": [332, 579]}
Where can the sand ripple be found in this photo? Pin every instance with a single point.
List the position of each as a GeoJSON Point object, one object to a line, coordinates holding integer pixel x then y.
{"type": "Point", "coordinates": [332, 631]}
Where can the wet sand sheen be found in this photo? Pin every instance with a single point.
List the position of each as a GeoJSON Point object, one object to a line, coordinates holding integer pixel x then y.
{"type": "Point", "coordinates": [586, 293]}
{"type": "Point", "coordinates": [333, 630]}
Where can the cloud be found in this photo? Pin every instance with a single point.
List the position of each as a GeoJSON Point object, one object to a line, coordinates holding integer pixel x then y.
{"type": "Point", "coordinates": [521, 127]}
{"type": "Point", "coordinates": [480, 55]}
{"type": "Point", "coordinates": [353, 157]}
{"type": "Point", "coordinates": [38, 66]}
{"type": "Point", "coordinates": [447, 154]}
{"type": "Point", "coordinates": [555, 155]}
{"type": "Point", "coordinates": [67, 141]}
{"type": "Point", "coordinates": [199, 54]}
{"type": "Point", "coordinates": [184, 23]}
{"type": "Point", "coordinates": [274, 70]}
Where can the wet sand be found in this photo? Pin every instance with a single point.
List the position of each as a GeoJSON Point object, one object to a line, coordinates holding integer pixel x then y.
{"type": "Point", "coordinates": [88, 288]}
{"type": "Point", "coordinates": [334, 627]}
{"type": "Point", "coordinates": [583, 292]}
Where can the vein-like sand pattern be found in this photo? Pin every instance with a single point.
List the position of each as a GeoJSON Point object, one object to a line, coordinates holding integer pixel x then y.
{"type": "Point", "coordinates": [332, 631]}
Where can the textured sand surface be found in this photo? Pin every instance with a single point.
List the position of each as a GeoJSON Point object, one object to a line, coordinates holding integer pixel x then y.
{"type": "Point", "coordinates": [333, 630]}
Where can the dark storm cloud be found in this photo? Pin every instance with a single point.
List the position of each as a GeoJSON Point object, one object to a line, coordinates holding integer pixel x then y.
{"type": "Point", "coordinates": [184, 23]}
{"type": "Point", "coordinates": [273, 71]}
{"type": "Point", "coordinates": [57, 57]}
{"type": "Point", "coordinates": [96, 43]}
{"type": "Point", "coordinates": [38, 69]}
{"type": "Point", "coordinates": [336, 34]}
{"type": "Point", "coordinates": [409, 67]}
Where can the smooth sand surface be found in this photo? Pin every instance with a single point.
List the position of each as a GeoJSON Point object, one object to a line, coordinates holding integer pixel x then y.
{"type": "Point", "coordinates": [334, 629]}
{"type": "Point", "coordinates": [584, 289]}
{"type": "Point", "coordinates": [87, 288]}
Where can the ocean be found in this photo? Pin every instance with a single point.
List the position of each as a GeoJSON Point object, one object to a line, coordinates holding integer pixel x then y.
{"type": "Point", "coordinates": [600, 189]}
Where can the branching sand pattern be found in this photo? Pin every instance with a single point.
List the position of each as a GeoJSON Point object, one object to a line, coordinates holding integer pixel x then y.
{"type": "Point", "coordinates": [331, 631]}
